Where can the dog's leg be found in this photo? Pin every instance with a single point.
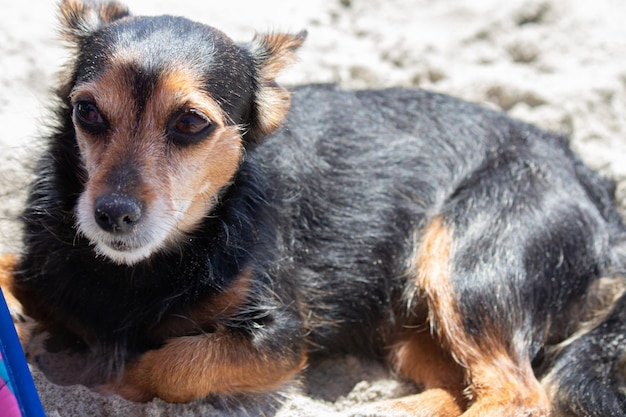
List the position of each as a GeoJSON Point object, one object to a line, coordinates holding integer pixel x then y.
{"type": "Point", "coordinates": [235, 357]}
{"type": "Point", "coordinates": [501, 380]}
{"type": "Point", "coordinates": [224, 362]}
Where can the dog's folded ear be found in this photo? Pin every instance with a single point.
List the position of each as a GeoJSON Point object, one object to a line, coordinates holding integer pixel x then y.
{"type": "Point", "coordinates": [80, 18]}
{"type": "Point", "coordinates": [272, 53]}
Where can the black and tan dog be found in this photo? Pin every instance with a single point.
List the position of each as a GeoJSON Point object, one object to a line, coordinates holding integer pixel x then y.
{"type": "Point", "coordinates": [203, 231]}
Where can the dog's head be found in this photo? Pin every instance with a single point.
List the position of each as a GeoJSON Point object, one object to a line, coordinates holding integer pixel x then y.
{"type": "Point", "coordinates": [163, 109]}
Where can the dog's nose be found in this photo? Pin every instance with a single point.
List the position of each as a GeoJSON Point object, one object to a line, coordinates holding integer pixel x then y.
{"type": "Point", "coordinates": [117, 213]}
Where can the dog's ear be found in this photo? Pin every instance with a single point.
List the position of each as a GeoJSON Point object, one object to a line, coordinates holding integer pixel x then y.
{"type": "Point", "coordinates": [80, 18]}
{"type": "Point", "coordinates": [271, 52]}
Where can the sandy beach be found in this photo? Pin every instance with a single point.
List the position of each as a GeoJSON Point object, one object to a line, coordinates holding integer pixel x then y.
{"type": "Point", "coordinates": [560, 64]}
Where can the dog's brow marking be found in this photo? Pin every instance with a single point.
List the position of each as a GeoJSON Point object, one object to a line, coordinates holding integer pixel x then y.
{"type": "Point", "coordinates": [181, 89]}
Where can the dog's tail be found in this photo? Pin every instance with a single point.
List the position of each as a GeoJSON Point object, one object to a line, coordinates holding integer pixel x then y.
{"type": "Point", "coordinates": [587, 374]}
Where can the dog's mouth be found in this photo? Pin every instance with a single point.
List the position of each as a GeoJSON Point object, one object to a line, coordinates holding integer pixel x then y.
{"type": "Point", "coordinates": [128, 251]}
{"type": "Point", "coordinates": [116, 244]}
{"type": "Point", "coordinates": [120, 246]}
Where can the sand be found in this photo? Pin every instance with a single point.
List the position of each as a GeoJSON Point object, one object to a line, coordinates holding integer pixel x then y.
{"type": "Point", "coordinates": [558, 63]}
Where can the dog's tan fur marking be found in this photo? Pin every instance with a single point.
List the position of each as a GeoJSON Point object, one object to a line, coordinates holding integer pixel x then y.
{"type": "Point", "coordinates": [419, 357]}
{"type": "Point", "coordinates": [206, 315]}
{"type": "Point", "coordinates": [220, 363]}
{"type": "Point", "coordinates": [430, 403]}
{"type": "Point", "coordinates": [24, 325]}
{"type": "Point", "coordinates": [7, 265]}
{"type": "Point", "coordinates": [499, 383]}
{"type": "Point", "coordinates": [432, 263]}
{"type": "Point", "coordinates": [505, 387]}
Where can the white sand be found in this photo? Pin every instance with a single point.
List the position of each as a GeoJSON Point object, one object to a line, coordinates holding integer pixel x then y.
{"type": "Point", "coordinates": [558, 63]}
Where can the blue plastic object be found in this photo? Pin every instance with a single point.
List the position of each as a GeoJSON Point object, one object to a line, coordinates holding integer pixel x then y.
{"type": "Point", "coordinates": [18, 396]}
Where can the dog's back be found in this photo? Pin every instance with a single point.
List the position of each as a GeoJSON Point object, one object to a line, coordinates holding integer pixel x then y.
{"type": "Point", "coordinates": [374, 167]}
{"type": "Point", "coordinates": [535, 235]}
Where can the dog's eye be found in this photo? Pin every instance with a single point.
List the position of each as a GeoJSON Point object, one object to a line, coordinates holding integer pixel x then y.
{"type": "Point", "coordinates": [88, 115]}
{"type": "Point", "coordinates": [189, 126]}
{"type": "Point", "coordinates": [191, 123]}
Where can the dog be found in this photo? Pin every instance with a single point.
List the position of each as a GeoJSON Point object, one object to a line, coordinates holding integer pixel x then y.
{"type": "Point", "coordinates": [201, 230]}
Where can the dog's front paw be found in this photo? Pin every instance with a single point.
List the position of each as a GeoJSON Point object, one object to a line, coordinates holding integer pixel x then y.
{"type": "Point", "coordinates": [34, 343]}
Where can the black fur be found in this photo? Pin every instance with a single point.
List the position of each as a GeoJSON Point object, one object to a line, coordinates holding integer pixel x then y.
{"type": "Point", "coordinates": [326, 212]}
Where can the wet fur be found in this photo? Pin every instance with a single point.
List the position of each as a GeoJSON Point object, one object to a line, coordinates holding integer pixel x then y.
{"type": "Point", "coordinates": [468, 249]}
